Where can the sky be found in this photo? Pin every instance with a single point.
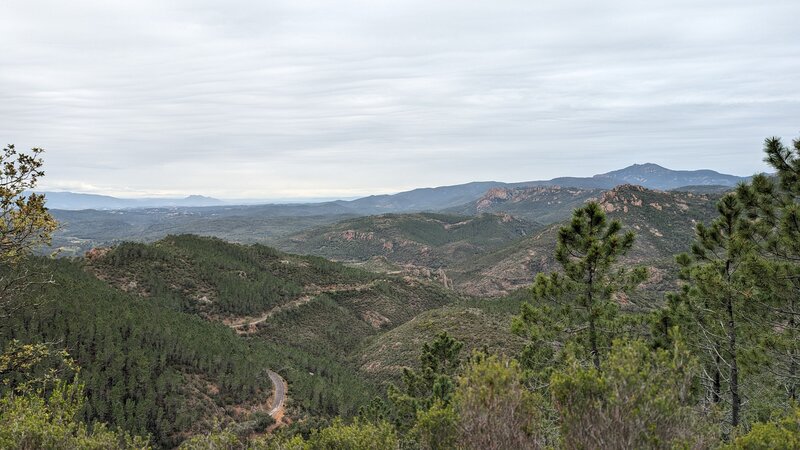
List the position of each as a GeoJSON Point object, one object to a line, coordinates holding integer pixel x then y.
{"type": "Point", "coordinates": [297, 99]}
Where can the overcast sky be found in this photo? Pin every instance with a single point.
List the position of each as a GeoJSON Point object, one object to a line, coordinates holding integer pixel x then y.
{"type": "Point", "coordinates": [277, 99]}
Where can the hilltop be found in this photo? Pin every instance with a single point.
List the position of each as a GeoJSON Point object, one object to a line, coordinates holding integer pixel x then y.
{"type": "Point", "coordinates": [663, 222]}
{"type": "Point", "coordinates": [542, 204]}
{"type": "Point", "coordinates": [225, 282]}
{"type": "Point", "coordinates": [649, 175]}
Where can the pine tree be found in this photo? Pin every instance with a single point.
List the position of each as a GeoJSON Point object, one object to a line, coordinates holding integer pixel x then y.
{"type": "Point", "coordinates": [588, 250]}
{"type": "Point", "coordinates": [433, 382]}
{"type": "Point", "coordinates": [716, 294]}
{"type": "Point", "coordinates": [773, 209]}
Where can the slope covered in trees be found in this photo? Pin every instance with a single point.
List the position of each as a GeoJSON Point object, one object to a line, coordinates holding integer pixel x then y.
{"type": "Point", "coordinates": [426, 240]}
{"type": "Point", "coordinates": [147, 369]}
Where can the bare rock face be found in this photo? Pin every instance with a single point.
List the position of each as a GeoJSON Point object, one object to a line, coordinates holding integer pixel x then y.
{"type": "Point", "coordinates": [375, 319]}
{"type": "Point", "coordinates": [97, 253]}
{"type": "Point", "coordinates": [351, 235]}
{"type": "Point", "coordinates": [621, 197]}
{"type": "Point", "coordinates": [494, 195]}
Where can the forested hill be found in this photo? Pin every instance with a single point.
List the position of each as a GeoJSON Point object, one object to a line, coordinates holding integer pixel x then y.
{"type": "Point", "coordinates": [147, 368]}
{"type": "Point", "coordinates": [225, 281]}
{"type": "Point", "coordinates": [153, 326]}
{"type": "Point", "coordinates": [424, 239]}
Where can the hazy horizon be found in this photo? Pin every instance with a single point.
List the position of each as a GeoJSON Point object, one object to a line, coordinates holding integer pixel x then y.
{"type": "Point", "coordinates": [279, 200]}
{"type": "Point", "coordinates": [309, 99]}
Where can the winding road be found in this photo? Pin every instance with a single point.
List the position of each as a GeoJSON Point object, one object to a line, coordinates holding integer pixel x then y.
{"type": "Point", "coordinates": [281, 388]}
{"type": "Point", "coordinates": [279, 398]}
{"type": "Point", "coordinates": [280, 395]}
{"type": "Point", "coordinates": [242, 327]}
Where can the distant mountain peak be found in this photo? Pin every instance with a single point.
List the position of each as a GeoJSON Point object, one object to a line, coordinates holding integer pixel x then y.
{"type": "Point", "coordinates": [199, 197]}
{"type": "Point", "coordinates": [654, 176]}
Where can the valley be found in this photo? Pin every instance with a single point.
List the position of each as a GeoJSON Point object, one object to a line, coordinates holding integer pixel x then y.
{"type": "Point", "coordinates": [331, 302]}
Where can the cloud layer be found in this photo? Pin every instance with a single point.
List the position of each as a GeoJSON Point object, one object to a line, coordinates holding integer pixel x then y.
{"type": "Point", "coordinates": [316, 98]}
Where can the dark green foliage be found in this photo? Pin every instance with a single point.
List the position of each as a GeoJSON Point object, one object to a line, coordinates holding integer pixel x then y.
{"type": "Point", "coordinates": [41, 402]}
{"type": "Point", "coordinates": [148, 369]}
{"type": "Point", "coordinates": [433, 383]}
{"type": "Point", "coordinates": [778, 434]}
{"type": "Point", "coordinates": [579, 304]}
{"type": "Point", "coordinates": [639, 398]}
{"type": "Point", "coordinates": [383, 357]}
{"type": "Point", "coordinates": [140, 361]}
{"type": "Point", "coordinates": [234, 279]}
{"type": "Point", "coordinates": [773, 210]}
{"type": "Point", "coordinates": [716, 299]}
{"type": "Point", "coordinates": [52, 421]}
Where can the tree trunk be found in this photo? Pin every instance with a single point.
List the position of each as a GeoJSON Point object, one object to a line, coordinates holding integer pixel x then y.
{"type": "Point", "coordinates": [793, 353]}
{"type": "Point", "coordinates": [716, 389]}
{"type": "Point", "coordinates": [593, 342]}
{"type": "Point", "coordinates": [592, 326]}
{"type": "Point", "coordinates": [735, 400]}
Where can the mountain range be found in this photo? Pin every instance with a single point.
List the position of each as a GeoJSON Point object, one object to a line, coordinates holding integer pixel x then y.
{"type": "Point", "coordinates": [648, 175]}
{"type": "Point", "coordinates": [79, 201]}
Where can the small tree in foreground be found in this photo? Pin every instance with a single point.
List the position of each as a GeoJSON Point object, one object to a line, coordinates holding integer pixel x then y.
{"type": "Point", "coordinates": [432, 383]}
{"type": "Point", "coordinates": [25, 222]}
{"type": "Point", "coordinates": [495, 410]}
{"type": "Point", "coordinates": [782, 434]}
{"type": "Point", "coordinates": [640, 399]}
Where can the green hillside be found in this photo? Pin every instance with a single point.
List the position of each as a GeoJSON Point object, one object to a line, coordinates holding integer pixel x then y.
{"type": "Point", "coordinates": [195, 372]}
{"type": "Point", "coordinates": [334, 323]}
{"type": "Point", "coordinates": [300, 305]}
{"type": "Point", "coordinates": [425, 239]}
{"type": "Point", "coordinates": [663, 222]}
{"type": "Point", "coordinates": [384, 357]}
{"type": "Point", "coordinates": [148, 369]}
{"type": "Point", "coordinates": [216, 278]}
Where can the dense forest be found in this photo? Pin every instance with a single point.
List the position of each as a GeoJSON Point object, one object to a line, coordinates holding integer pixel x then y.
{"type": "Point", "coordinates": [168, 344]}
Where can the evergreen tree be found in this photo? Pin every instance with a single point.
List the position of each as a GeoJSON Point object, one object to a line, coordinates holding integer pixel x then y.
{"type": "Point", "coordinates": [580, 303]}
{"type": "Point", "coordinates": [433, 382]}
{"type": "Point", "coordinates": [773, 209]}
{"type": "Point", "coordinates": [641, 399]}
{"type": "Point", "coordinates": [716, 293]}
